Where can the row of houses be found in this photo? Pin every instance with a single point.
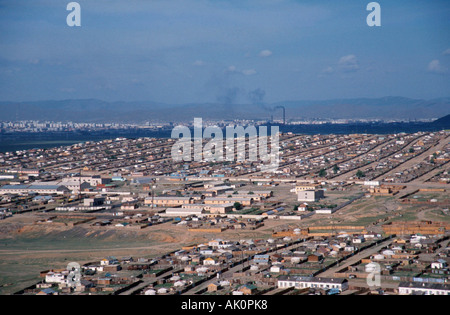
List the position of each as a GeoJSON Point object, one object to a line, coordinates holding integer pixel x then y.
{"type": "Point", "coordinates": [298, 282]}
{"type": "Point", "coordinates": [65, 185]}
{"type": "Point", "coordinates": [246, 199]}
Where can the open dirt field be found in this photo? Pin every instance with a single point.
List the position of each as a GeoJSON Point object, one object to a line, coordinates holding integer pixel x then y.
{"type": "Point", "coordinates": [27, 248]}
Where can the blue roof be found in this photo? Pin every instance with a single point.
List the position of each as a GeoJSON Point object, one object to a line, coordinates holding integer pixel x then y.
{"type": "Point", "coordinates": [48, 291]}
{"type": "Point", "coordinates": [15, 186]}
{"type": "Point", "coordinates": [42, 197]}
{"type": "Point", "coordinates": [31, 187]}
{"type": "Point", "coordinates": [44, 186]}
{"type": "Point", "coordinates": [262, 256]}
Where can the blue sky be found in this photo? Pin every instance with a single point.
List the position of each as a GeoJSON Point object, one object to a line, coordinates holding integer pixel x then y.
{"type": "Point", "coordinates": [187, 51]}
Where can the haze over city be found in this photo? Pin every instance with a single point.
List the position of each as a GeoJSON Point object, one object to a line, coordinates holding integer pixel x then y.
{"type": "Point", "coordinates": [178, 52]}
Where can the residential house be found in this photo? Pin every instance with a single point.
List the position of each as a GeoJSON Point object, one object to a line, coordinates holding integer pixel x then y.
{"type": "Point", "coordinates": [210, 261]}
{"type": "Point", "coordinates": [423, 288]}
{"type": "Point", "coordinates": [315, 257]}
{"type": "Point", "coordinates": [310, 195]}
{"type": "Point", "coordinates": [248, 289]}
{"type": "Point", "coordinates": [168, 201]}
{"type": "Point", "coordinates": [439, 264]}
{"type": "Point", "coordinates": [312, 282]}
{"type": "Point", "coordinates": [214, 287]}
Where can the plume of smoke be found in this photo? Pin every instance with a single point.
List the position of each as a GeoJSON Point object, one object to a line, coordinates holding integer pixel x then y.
{"type": "Point", "coordinates": [257, 96]}
{"type": "Point", "coordinates": [229, 95]}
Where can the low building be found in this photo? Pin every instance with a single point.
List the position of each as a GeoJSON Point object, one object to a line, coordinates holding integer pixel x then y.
{"type": "Point", "coordinates": [304, 187]}
{"type": "Point", "coordinates": [36, 189]}
{"type": "Point", "coordinates": [193, 206]}
{"type": "Point", "coordinates": [261, 259]}
{"type": "Point", "coordinates": [129, 206]}
{"type": "Point", "coordinates": [260, 193]}
{"type": "Point", "coordinates": [93, 202]}
{"type": "Point", "coordinates": [76, 186]}
{"type": "Point", "coordinates": [213, 287]}
{"type": "Point", "coordinates": [94, 181]}
{"type": "Point", "coordinates": [439, 264]}
{"type": "Point", "coordinates": [315, 257]}
{"type": "Point", "coordinates": [412, 288]}
{"type": "Point", "coordinates": [245, 201]}
{"type": "Point", "coordinates": [211, 261]}
{"type": "Point", "coordinates": [218, 190]}
{"type": "Point", "coordinates": [248, 289]}
{"type": "Point", "coordinates": [220, 209]}
{"type": "Point", "coordinates": [47, 291]}
{"type": "Point", "coordinates": [309, 195]}
{"type": "Point", "coordinates": [184, 212]}
{"type": "Point", "coordinates": [168, 201]}
{"type": "Point", "coordinates": [56, 277]}
{"type": "Point", "coordinates": [312, 282]}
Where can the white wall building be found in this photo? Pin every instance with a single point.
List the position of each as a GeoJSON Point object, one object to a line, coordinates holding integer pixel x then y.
{"type": "Point", "coordinates": [312, 282]}
{"type": "Point", "coordinates": [184, 212]}
{"type": "Point", "coordinates": [56, 277]}
{"type": "Point", "coordinates": [408, 288]}
{"type": "Point", "coordinates": [309, 195]}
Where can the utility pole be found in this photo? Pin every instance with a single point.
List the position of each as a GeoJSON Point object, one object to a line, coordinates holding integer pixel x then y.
{"type": "Point", "coordinates": [153, 193]}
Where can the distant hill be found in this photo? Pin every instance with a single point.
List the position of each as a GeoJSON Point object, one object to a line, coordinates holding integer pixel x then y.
{"type": "Point", "coordinates": [443, 122]}
{"type": "Point", "coordinates": [93, 110]}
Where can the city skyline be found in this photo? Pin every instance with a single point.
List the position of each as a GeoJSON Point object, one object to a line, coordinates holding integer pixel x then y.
{"type": "Point", "coordinates": [228, 52]}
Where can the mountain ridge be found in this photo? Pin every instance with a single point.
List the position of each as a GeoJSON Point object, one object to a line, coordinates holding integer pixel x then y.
{"type": "Point", "coordinates": [96, 110]}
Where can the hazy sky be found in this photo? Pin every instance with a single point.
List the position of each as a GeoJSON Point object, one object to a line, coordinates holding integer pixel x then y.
{"type": "Point", "coordinates": [239, 51]}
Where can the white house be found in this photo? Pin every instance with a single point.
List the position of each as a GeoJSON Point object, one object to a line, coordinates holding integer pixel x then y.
{"type": "Point", "coordinates": [220, 244]}
{"type": "Point", "coordinates": [408, 288]}
{"type": "Point", "coordinates": [109, 261]}
{"type": "Point", "coordinates": [309, 195]}
{"type": "Point", "coordinates": [388, 253]}
{"type": "Point", "coordinates": [162, 291]}
{"type": "Point", "coordinates": [56, 277]}
{"type": "Point", "coordinates": [201, 270]}
{"type": "Point", "coordinates": [312, 282]}
{"type": "Point", "coordinates": [276, 268]}
{"type": "Point", "coordinates": [439, 264]}
{"type": "Point", "coordinates": [210, 261]}
{"type": "Point", "coordinates": [349, 248]}
{"type": "Point", "coordinates": [184, 212]}
{"type": "Point", "coordinates": [207, 252]}
{"type": "Point", "coordinates": [358, 240]}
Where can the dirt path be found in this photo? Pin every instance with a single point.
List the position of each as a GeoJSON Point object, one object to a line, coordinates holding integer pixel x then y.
{"type": "Point", "coordinates": [55, 251]}
{"type": "Point", "coordinates": [345, 175]}
{"type": "Point", "coordinates": [354, 259]}
{"type": "Point", "coordinates": [415, 160]}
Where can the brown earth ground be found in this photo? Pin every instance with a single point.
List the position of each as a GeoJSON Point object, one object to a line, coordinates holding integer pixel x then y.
{"type": "Point", "coordinates": [27, 248]}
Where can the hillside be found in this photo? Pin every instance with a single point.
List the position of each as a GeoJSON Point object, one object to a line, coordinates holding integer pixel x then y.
{"type": "Point", "coordinates": [92, 110]}
{"type": "Point", "coordinates": [443, 122]}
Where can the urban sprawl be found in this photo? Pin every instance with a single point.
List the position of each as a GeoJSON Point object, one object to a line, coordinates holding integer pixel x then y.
{"type": "Point", "coordinates": [343, 214]}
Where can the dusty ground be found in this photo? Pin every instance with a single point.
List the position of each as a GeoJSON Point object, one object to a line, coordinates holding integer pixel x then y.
{"type": "Point", "coordinates": [26, 248]}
